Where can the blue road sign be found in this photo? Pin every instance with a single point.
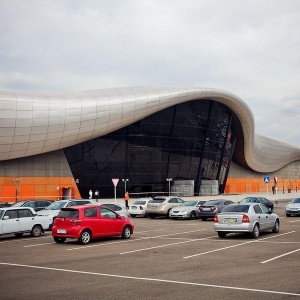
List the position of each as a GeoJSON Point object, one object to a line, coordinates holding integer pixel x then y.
{"type": "Point", "coordinates": [267, 179]}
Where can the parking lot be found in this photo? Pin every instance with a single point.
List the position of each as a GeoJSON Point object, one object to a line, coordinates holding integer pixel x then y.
{"type": "Point", "coordinates": [170, 259]}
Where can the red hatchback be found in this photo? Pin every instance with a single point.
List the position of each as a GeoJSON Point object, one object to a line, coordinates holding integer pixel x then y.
{"type": "Point", "coordinates": [86, 222]}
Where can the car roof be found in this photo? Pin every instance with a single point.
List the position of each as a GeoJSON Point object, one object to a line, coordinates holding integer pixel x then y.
{"type": "Point", "coordinates": [14, 208]}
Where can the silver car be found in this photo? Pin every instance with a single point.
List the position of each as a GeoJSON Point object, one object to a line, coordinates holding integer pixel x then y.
{"type": "Point", "coordinates": [117, 208]}
{"type": "Point", "coordinates": [247, 217]}
{"type": "Point", "coordinates": [187, 210]}
{"type": "Point", "coordinates": [293, 207]}
{"type": "Point", "coordinates": [139, 207]}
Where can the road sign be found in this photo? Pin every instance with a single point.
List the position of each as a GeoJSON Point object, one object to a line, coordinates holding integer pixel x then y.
{"type": "Point", "coordinates": [115, 181]}
{"type": "Point", "coordinates": [267, 179]}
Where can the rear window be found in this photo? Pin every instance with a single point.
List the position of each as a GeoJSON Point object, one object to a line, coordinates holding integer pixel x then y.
{"type": "Point", "coordinates": [157, 201]}
{"type": "Point", "coordinates": [69, 214]}
{"type": "Point", "coordinates": [139, 202]}
{"type": "Point", "coordinates": [213, 203]}
{"type": "Point", "coordinates": [236, 208]}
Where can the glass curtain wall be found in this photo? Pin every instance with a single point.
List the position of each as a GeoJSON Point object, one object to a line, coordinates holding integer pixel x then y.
{"type": "Point", "coordinates": [189, 141]}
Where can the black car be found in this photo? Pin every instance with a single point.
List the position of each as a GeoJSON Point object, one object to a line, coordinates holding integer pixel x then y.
{"type": "Point", "coordinates": [37, 205]}
{"type": "Point", "coordinates": [212, 207]}
{"type": "Point", "coordinates": [269, 204]}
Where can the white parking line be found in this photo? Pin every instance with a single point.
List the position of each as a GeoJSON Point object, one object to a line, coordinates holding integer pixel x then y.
{"type": "Point", "coordinates": [166, 245]}
{"type": "Point", "coordinates": [138, 239]}
{"type": "Point", "coordinates": [34, 245]}
{"type": "Point", "coordinates": [294, 221]}
{"type": "Point", "coordinates": [155, 280]}
{"type": "Point", "coordinates": [237, 245]}
{"type": "Point", "coordinates": [279, 256]}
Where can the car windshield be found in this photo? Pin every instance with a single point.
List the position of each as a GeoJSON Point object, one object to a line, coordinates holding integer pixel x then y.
{"type": "Point", "coordinates": [296, 200]}
{"type": "Point", "coordinates": [1, 214]}
{"type": "Point", "coordinates": [189, 203]}
{"type": "Point", "coordinates": [236, 208]}
{"type": "Point", "coordinates": [18, 204]}
{"type": "Point", "coordinates": [57, 205]}
{"type": "Point", "coordinates": [157, 201]}
{"type": "Point", "coordinates": [139, 202]}
{"type": "Point", "coordinates": [69, 214]}
{"type": "Point", "coordinates": [248, 200]}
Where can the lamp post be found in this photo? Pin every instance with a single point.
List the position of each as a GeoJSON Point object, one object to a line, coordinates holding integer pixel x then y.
{"type": "Point", "coordinates": [169, 180]}
{"type": "Point", "coordinates": [125, 180]}
{"type": "Point", "coordinates": [17, 182]}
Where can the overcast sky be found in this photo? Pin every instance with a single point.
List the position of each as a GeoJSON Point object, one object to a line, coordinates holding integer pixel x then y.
{"type": "Point", "coordinates": [249, 48]}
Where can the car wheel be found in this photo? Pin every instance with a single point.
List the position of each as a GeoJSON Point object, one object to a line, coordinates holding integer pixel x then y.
{"type": "Point", "coordinates": [204, 218]}
{"type": "Point", "coordinates": [59, 240]}
{"type": "Point", "coordinates": [167, 215]}
{"type": "Point", "coordinates": [221, 234]}
{"type": "Point", "coordinates": [255, 232]}
{"type": "Point", "coordinates": [19, 234]}
{"type": "Point", "coordinates": [126, 233]}
{"type": "Point", "coordinates": [36, 230]}
{"type": "Point", "coordinates": [133, 216]}
{"type": "Point", "coordinates": [85, 237]}
{"type": "Point", "coordinates": [151, 216]}
{"type": "Point", "coordinates": [276, 227]}
{"type": "Point", "coordinates": [192, 215]}
{"type": "Point", "coordinates": [288, 215]}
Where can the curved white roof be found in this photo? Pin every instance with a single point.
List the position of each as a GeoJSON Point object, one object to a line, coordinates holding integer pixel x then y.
{"type": "Point", "coordinates": [32, 124]}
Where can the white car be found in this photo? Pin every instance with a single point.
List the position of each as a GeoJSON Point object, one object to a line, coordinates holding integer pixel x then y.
{"type": "Point", "coordinates": [293, 208]}
{"type": "Point", "coordinates": [53, 209]}
{"type": "Point", "coordinates": [139, 207]}
{"type": "Point", "coordinates": [117, 208]}
{"type": "Point", "coordinates": [19, 220]}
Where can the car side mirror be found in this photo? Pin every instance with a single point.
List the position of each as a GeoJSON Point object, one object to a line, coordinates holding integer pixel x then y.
{"type": "Point", "coordinates": [5, 217]}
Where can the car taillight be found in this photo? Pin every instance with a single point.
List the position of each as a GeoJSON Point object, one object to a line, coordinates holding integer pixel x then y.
{"type": "Point", "coordinates": [200, 208]}
{"type": "Point", "coordinates": [216, 219]}
{"type": "Point", "coordinates": [75, 222]}
{"type": "Point", "coordinates": [214, 208]}
{"type": "Point", "coordinates": [245, 219]}
{"type": "Point", "coordinates": [141, 207]}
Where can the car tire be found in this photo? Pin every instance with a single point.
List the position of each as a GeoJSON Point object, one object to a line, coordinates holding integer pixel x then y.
{"type": "Point", "coordinates": [36, 230]}
{"type": "Point", "coordinates": [276, 227]}
{"type": "Point", "coordinates": [18, 235]}
{"type": "Point", "coordinates": [151, 216]}
{"type": "Point", "coordinates": [255, 232]}
{"type": "Point", "coordinates": [133, 216]}
{"type": "Point", "coordinates": [167, 215]}
{"type": "Point", "coordinates": [59, 240]}
{"type": "Point", "coordinates": [192, 215]}
{"type": "Point", "coordinates": [85, 237]}
{"type": "Point", "coordinates": [288, 215]}
{"type": "Point", "coordinates": [222, 234]}
{"type": "Point", "coordinates": [126, 233]}
{"type": "Point", "coordinates": [204, 218]}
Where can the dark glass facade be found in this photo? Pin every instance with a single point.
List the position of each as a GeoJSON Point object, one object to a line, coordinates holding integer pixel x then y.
{"type": "Point", "coordinates": [188, 141]}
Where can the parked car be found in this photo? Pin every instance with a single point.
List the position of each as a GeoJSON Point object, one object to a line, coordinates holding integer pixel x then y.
{"type": "Point", "coordinates": [262, 200]}
{"type": "Point", "coordinates": [161, 205]}
{"type": "Point", "coordinates": [139, 207]}
{"type": "Point", "coordinates": [20, 220]}
{"type": "Point", "coordinates": [37, 205]}
{"type": "Point", "coordinates": [54, 208]}
{"type": "Point", "coordinates": [210, 208]}
{"type": "Point", "coordinates": [5, 204]}
{"type": "Point", "coordinates": [293, 207]}
{"type": "Point", "coordinates": [246, 217]}
{"type": "Point", "coordinates": [88, 222]}
{"type": "Point", "coordinates": [117, 208]}
{"type": "Point", "coordinates": [187, 210]}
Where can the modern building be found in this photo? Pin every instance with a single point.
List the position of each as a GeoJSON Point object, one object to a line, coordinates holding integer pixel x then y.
{"type": "Point", "coordinates": [183, 140]}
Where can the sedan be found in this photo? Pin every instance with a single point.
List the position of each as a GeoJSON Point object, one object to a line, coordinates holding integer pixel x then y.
{"type": "Point", "coordinates": [117, 208]}
{"type": "Point", "coordinates": [139, 207]}
{"type": "Point", "coordinates": [88, 222]}
{"type": "Point", "coordinates": [210, 208]}
{"type": "Point", "coordinates": [252, 218]}
{"type": "Point", "coordinates": [293, 207]}
{"type": "Point", "coordinates": [37, 205]}
{"type": "Point", "coordinates": [187, 210]}
{"type": "Point", "coordinates": [265, 201]}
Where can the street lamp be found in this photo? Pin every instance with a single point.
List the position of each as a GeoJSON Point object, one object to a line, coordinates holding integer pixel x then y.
{"type": "Point", "coordinates": [17, 182]}
{"type": "Point", "coordinates": [125, 180]}
{"type": "Point", "coordinates": [169, 180]}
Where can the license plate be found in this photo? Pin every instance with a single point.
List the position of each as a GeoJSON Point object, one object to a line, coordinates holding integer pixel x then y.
{"type": "Point", "coordinates": [206, 209]}
{"type": "Point", "coordinates": [61, 231]}
{"type": "Point", "coordinates": [230, 220]}
{"type": "Point", "coordinates": [133, 207]}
